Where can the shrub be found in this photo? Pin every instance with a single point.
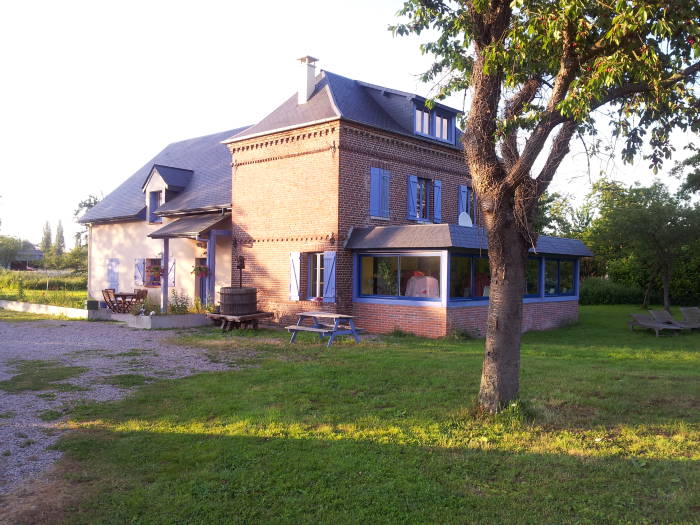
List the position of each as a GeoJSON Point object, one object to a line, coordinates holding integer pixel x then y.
{"type": "Point", "coordinates": [179, 303]}
{"type": "Point", "coordinates": [598, 290]}
{"type": "Point", "coordinates": [37, 281]}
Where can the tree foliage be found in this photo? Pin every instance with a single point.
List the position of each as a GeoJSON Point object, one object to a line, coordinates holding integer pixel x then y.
{"type": "Point", "coordinates": [45, 244]}
{"type": "Point", "coordinates": [645, 227]}
{"type": "Point", "coordinates": [59, 246]}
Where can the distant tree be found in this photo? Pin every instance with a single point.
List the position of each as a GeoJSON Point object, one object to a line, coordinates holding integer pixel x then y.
{"type": "Point", "coordinates": [83, 206]}
{"type": "Point", "coordinates": [646, 224]}
{"type": "Point", "coordinates": [689, 169]}
{"type": "Point", "coordinates": [45, 244]}
{"type": "Point", "coordinates": [60, 245]}
{"type": "Point", "coordinates": [9, 246]}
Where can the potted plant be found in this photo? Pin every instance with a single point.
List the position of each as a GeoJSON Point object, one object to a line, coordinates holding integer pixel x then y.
{"type": "Point", "coordinates": [317, 299]}
{"type": "Point", "coordinates": [200, 271]}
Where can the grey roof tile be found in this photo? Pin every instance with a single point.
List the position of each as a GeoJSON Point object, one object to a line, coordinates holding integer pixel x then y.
{"type": "Point", "coordinates": [175, 178]}
{"type": "Point", "coordinates": [442, 236]}
{"type": "Point", "coordinates": [209, 186]}
{"type": "Point", "coordinates": [336, 96]}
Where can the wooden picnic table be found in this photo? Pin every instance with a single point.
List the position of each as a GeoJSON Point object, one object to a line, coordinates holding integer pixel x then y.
{"type": "Point", "coordinates": [228, 322]}
{"type": "Point", "coordinates": [342, 325]}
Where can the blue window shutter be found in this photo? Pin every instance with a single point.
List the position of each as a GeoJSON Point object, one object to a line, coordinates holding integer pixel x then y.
{"type": "Point", "coordinates": [171, 272]}
{"type": "Point", "coordinates": [463, 199]}
{"type": "Point", "coordinates": [113, 274]}
{"type": "Point", "coordinates": [294, 274]}
{"type": "Point", "coordinates": [328, 277]}
{"type": "Point", "coordinates": [139, 271]}
{"type": "Point", "coordinates": [437, 201]}
{"type": "Point", "coordinates": [411, 197]}
{"type": "Point", "coordinates": [386, 179]}
{"type": "Point", "coordinates": [375, 192]}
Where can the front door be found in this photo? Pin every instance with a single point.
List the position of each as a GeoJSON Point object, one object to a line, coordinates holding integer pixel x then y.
{"type": "Point", "coordinates": [200, 283]}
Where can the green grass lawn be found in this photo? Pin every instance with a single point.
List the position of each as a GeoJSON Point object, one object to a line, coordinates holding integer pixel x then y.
{"type": "Point", "coordinates": [68, 298]}
{"type": "Point", "coordinates": [384, 432]}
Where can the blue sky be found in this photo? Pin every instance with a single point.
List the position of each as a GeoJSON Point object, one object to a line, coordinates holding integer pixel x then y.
{"type": "Point", "coordinates": [90, 91]}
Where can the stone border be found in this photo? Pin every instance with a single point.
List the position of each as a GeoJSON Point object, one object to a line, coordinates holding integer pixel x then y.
{"type": "Point", "coordinates": [156, 322]}
{"type": "Point", "coordinates": [49, 309]}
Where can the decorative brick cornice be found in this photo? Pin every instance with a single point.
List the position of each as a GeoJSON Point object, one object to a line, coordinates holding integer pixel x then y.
{"type": "Point", "coordinates": [265, 142]}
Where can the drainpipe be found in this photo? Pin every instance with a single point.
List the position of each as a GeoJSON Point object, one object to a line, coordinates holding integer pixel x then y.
{"type": "Point", "coordinates": [164, 267]}
{"type": "Point", "coordinates": [211, 264]}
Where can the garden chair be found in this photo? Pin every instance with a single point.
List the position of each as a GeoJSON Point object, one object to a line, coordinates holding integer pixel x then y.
{"type": "Point", "coordinates": [691, 315]}
{"type": "Point", "coordinates": [111, 300]}
{"type": "Point", "coordinates": [646, 321]}
{"type": "Point", "coordinates": [663, 316]}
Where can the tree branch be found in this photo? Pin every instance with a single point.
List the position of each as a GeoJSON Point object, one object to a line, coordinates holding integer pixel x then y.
{"type": "Point", "coordinates": [559, 150]}
{"type": "Point", "coordinates": [514, 108]}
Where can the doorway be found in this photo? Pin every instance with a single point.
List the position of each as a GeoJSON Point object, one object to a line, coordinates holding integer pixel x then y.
{"type": "Point", "coordinates": [200, 283]}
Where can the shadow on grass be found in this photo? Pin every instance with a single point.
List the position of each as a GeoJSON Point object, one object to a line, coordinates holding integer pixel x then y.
{"type": "Point", "coordinates": [211, 478]}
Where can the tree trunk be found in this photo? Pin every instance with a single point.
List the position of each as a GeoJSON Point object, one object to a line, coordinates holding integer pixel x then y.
{"type": "Point", "coordinates": [500, 377]}
{"type": "Point", "coordinates": [666, 281]}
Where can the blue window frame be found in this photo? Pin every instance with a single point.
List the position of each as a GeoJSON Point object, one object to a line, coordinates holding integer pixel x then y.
{"type": "Point", "coordinates": [379, 193]}
{"type": "Point", "coordinates": [470, 276]}
{"type": "Point", "coordinates": [153, 203]}
{"type": "Point", "coordinates": [559, 277]}
{"type": "Point", "coordinates": [399, 276]}
{"type": "Point", "coordinates": [436, 124]}
{"type": "Point", "coordinates": [532, 277]}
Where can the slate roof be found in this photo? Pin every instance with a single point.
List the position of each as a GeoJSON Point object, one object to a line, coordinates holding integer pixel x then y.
{"type": "Point", "coordinates": [209, 185]}
{"type": "Point", "coordinates": [442, 236]}
{"type": "Point", "coordinates": [190, 226]}
{"type": "Point", "coordinates": [338, 97]}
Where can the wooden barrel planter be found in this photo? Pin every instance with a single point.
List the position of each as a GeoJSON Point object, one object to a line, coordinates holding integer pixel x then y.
{"type": "Point", "coordinates": [238, 301]}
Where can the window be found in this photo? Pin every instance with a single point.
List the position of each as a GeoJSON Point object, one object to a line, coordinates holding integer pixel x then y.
{"type": "Point", "coordinates": [316, 275]}
{"type": "Point", "coordinates": [153, 203]}
{"type": "Point", "coordinates": [422, 121]}
{"type": "Point", "coordinates": [400, 276]}
{"type": "Point", "coordinates": [423, 192]}
{"type": "Point", "coordinates": [532, 277]}
{"type": "Point", "coordinates": [470, 276]}
{"type": "Point", "coordinates": [379, 193]}
{"type": "Point", "coordinates": [559, 277]}
{"type": "Point", "coordinates": [153, 272]}
{"type": "Point", "coordinates": [442, 126]}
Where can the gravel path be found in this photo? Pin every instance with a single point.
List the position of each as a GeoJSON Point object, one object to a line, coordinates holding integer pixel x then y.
{"type": "Point", "coordinates": [106, 349]}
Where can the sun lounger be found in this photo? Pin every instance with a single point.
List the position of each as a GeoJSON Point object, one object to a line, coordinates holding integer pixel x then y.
{"type": "Point", "coordinates": [663, 316]}
{"type": "Point", "coordinates": [691, 314]}
{"type": "Point", "coordinates": [645, 321]}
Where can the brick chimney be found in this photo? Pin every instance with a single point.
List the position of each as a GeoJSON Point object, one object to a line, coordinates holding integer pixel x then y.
{"type": "Point", "coordinates": [307, 78]}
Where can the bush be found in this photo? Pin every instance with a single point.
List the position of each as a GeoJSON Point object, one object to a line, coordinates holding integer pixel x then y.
{"type": "Point", "coordinates": [598, 290]}
{"type": "Point", "coordinates": [37, 281]}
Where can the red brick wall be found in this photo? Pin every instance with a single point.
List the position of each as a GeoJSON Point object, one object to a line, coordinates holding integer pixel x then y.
{"type": "Point", "coordinates": [536, 316]}
{"type": "Point", "coordinates": [437, 321]}
{"type": "Point", "coordinates": [426, 321]}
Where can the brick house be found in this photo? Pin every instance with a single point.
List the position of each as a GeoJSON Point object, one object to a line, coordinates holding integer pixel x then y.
{"type": "Point", "coordinates": [355, 198]}
{"type": "Point", "coordinates": [349, 197]}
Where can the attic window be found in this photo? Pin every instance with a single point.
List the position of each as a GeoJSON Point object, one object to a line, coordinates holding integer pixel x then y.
{"type": "Point", "coordinates": [436, 124]}
{"type": "Point", "coordinates": [153, 203]}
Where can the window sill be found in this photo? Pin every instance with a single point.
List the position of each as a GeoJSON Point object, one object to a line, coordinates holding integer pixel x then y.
{"type": "Point", "coordinates": [377, 218]}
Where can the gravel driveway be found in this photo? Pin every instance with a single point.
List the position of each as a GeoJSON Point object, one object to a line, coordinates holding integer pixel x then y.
{"type": "Point", "coordinates": [106, 350]}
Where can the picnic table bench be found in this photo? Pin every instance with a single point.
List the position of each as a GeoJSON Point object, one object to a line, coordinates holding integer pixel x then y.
{"type": "Point", "coordinates": [342, 325]}
{"type": "Point", "coordinates": [229, 322]}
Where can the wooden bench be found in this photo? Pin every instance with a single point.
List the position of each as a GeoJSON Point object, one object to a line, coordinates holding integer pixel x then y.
{"type": "Point", "coordinates": [229, 322]}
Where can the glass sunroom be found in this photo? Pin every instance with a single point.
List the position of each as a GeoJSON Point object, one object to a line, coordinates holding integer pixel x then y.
{"type": "Point", "coordinates": [447, 265]}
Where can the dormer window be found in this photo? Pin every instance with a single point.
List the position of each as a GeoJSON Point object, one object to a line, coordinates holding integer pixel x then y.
{"type": "Point", "coordinates": [153, 203]}
{"type": "Point", "coordinates": [436, 124]}
{"type": "Point", "coordinates": [422, 122]}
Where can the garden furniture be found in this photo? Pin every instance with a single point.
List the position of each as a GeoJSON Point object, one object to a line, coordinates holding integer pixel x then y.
{"type": "Point", "coordinates": [691, 314]}
{"type": "Point", "coordinates": [342, 325]}
{"type": "Point", "coordinates": [229, 322]}
{"type": "Point", "coordinates": [664, 317]}
{"type": "Point", "coordinates": [646, 321]}
{"type": "Point", "coordinates": [111, 300]}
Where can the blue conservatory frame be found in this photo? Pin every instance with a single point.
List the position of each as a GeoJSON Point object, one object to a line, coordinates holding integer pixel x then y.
{"type": "Point", "coordinates": [445, 269]}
